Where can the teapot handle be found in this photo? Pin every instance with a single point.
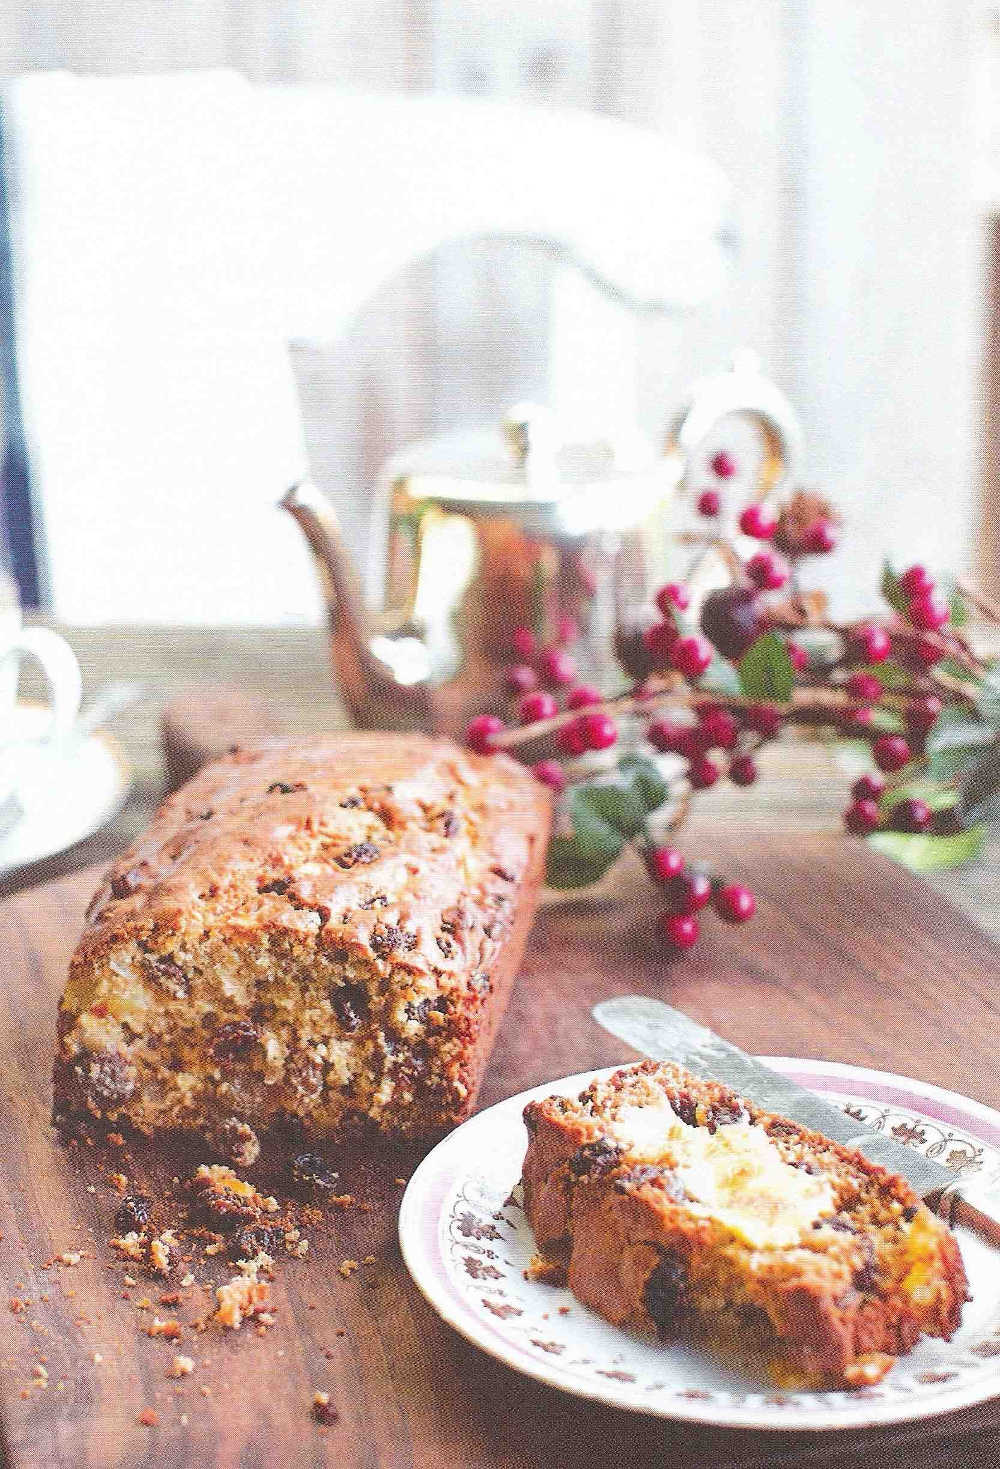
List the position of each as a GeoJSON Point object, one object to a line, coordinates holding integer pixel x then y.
{"type": "Point", "coordinates": [741, 390]}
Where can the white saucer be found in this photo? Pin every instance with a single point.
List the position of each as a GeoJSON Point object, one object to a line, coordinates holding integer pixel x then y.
{"type": "Point", "coordinates": [467, 1244]}
{"type": "Point", "coordinates": [66, 791]}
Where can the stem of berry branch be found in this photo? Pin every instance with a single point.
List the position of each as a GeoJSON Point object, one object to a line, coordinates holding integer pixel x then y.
{"type": "Point", "coordinates": [807, 706]}
{"type": "Point", "coordinates": [982, 604]}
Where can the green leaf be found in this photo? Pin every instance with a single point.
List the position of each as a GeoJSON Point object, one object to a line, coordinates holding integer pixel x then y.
{"type": "Point", "coordinates": [766, 670]}
{"type": "Point", "coordinates": [890, 674]}
{"type": "Point", "coordinates": [922, 853]}
{"type": "Point", "coordinates": [892, 590]}
{"type": "Point", "coordinates": [597, 817]}
{"type": "Point", "coordinates": [886, 721]}
{"type": "Point", "coordinates": [980, 786]}
{"type": "Point", "coordinates": [938, 797]}
{"type": "Point", "coordinates": [956, 742]}
{"type": "Point", "coordinates": [588, 851]}
{"type": "Point", "coordinates": [959, 611]}
{"type": "Point", "coordinates": [988, 695]}
{"type": "Point", "coordinates": [652, 789]}
{"type": "Point", "coordinates": [720, 677]}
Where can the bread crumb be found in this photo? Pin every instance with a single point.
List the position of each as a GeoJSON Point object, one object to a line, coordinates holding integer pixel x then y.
{"type": "Point", "coordinates": [181, 1367]}
{"type": "Point", "coordinates": [172, 1330]}
{"type": "Point", "coordinates": [118, 1181]}
{"type": "Point", "coordinates": [346, 1268]}
{"type": "Point", "coordinates": [131, 1245]}
{"type": "Point", "coordinates": [546, 1272]}
{"type": "Point", "coordinates": [322, 1409]}
{"type": "Point", "coordinates": [245, 1294]}
{"type": "Point", "coordinates": [148, 1418]}
{"type": "Point", "coordinates": [70, 1257]}
{"type": "Point", "coordinates": [97, 1359]}
{"type": "Point", "coordinates": [187, 1279]}
{"type": "Point", "coordinates": [161, 1252]}
{"type": "Point", "coordinates": [368, 1260]}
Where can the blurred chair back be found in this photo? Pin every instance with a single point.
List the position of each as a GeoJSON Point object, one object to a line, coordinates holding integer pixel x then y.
{"type": "Point", "coordinates": [168, 237]}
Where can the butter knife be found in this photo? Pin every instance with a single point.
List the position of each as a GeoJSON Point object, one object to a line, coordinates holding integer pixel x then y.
{"type": "Point", "coordinates": [654, 1029]}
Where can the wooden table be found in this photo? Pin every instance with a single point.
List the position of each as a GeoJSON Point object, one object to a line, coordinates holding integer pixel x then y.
{"type": "Point", "coordinates": [850, 958]}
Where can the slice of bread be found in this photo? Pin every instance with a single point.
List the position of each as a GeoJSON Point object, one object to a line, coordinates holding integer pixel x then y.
{"type": "Point", "coordinates": [678, 1207]}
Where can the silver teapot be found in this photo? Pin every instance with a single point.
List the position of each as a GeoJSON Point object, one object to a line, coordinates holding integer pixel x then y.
{"type": "Point", "coordinates": [515, 527]}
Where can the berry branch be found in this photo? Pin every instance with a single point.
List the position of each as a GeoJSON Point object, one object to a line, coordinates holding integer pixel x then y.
{"type": "Point", "coordinates": [763, 655]}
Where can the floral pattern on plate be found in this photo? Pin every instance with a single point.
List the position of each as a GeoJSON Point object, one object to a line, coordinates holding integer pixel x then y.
{"type": "Point", "coordinates": [468, 1245]}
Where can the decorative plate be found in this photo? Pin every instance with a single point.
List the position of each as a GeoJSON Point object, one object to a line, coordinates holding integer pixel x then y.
{"type": "Point", "coordinates": [65, 792]}
{"type": "Point", "coordinates": [466, 1243]}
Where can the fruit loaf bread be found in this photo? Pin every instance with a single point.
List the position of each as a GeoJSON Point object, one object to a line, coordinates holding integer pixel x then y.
{"type": "Point", "coordinates": [318, 935]}
{"type": "Point", "coordinates": [680, 1208]}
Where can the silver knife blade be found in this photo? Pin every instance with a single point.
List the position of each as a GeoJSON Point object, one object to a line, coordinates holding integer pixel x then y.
{"type": "Point", "coordinates": [654, 1029]}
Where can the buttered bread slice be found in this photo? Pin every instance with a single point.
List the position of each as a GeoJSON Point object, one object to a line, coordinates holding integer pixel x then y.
{"type": "Point", "coordinates": [678, 1207]}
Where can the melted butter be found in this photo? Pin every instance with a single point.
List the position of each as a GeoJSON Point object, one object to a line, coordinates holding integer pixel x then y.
{"type": "Point", "coordinates": [735, 1175]}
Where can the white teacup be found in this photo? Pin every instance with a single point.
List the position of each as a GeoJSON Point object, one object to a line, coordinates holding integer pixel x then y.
{"type": "Point", "coordinates": [62, 674]}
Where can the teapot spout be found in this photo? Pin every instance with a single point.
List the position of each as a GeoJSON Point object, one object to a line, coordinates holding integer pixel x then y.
{"type": "Point", "coordinates": [376, 693]}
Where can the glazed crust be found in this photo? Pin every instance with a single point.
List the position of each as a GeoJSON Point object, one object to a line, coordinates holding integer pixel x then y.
{"type": "Point", "coordinates": [858, 1289]}
{"type": "Point", "coordinates": [323, 932]}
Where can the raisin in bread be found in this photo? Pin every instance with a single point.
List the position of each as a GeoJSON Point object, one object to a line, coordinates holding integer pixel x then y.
{"type": "Point", "coordinates": [678, 1207]}
{"type": "Point", "coordinates": [321, 932]}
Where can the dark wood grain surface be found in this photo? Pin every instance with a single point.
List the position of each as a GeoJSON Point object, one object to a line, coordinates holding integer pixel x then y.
{"type": "Point", "coordinates": [851, 959]}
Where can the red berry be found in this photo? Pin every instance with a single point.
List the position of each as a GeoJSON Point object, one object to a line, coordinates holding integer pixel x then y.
{"type": "Point", "coordinates": [709, 503]}
{"type": "Point", "coordinates": [558, 666]}
{"type": "Point", "coordinates": [582, 695]}
{"type": "Point", "coordinates": [691, 655]}
{"type": "Point", "coordinates": [758, 521]}
{"type": "Point", "coordinates": [720, 730]}
{"type": "Point", "coordinates": [859, 718]}
{"type": "Point", "coordinates": [735, 903]}
{"type": "Point", "coordinates": [599, 731]}
{"type": "Point", "coordinates": [929, 651]}
{"type": "Point", "coordinates": [567, 630]}
{"type": "Point", "coordinates": [519, 678]}
{"type": "Point", "coordinates": [767, 570]}
{"type": "Point", "coordinates": [916, 581]}
{"type": "Point", "coordinates": [480, 731]}
{"type": "Point", "coordinates": [861, 818]}
{"type": "Point", "coordinates": [868, 787]}
{"type": "Point", "coordinates": [693, 742]}
{"type": "Point", "coordinates": [743, 770]}
{"type": "Point", "coordinates": [865, 687]}
{"type": "Point", "coordinates": [535, 706]}
{"type": "Point", "coordinates": [689, 893]}
{"type": "Point", "coordinates": [763, 719]}
{"type": "Point", "coordinates": [660, 639]}
{"type": "Point", "coordinates": [664, 736]}
{"type": "Point", "coordinates": [550, 773]}
{"type": "Point", "coordinates": [911, 815]}
{"type": "Point", "coordinates": [664, 863]}
{"type": "Point", "coordinates": [922, 714]}
{"type": "Point", "coordinates": [723, 464]}
{"type": "Point", "coordinates": [928, 612]}
{"type": "Point", "coordinates": [731, 619]}
{"type": "Point", "coordinates": [820, 538]}
{"type": "Point", "coordinates": [523, 642]}
{"type": "Point", "coordinates": [890, 752]}
{"type": "Point", "coordinates": [674, 595]}
{"type": "Point", "coordinates": [702, 773]}
{"type": "Point", "coordinates": [870, 644]}
{"type": "Point", "coordinates": [679, 930]}
{"type": "Point", "coordinates": [798, 656]}
{"type": "Point", "coordinates": [570, 739]}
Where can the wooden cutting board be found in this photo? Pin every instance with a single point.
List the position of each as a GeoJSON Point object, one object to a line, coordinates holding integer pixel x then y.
{"type": "Point", "coordinates": [850, 958]}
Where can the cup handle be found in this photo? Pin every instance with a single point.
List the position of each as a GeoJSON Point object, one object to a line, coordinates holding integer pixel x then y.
{"type": "Point", "coordinates": [62, 673]}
